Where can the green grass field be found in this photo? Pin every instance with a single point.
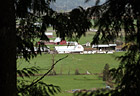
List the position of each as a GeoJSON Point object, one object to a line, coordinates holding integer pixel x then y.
{"type": "Point", "coordinates": [94, 63]}
{"type": "Point", "coordinates": [67, 83]}
{"type": "Point", "coordinates": [71, 82]}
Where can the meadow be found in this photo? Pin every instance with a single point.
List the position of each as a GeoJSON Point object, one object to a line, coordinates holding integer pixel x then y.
{"type": "Point", "coordinates": [93, 63]}
{"type": "Point", "coordinates": [65, 70]}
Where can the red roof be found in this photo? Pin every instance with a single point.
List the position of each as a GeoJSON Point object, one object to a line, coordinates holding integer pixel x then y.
{"type": "Point", "coordinates": [63, 42]}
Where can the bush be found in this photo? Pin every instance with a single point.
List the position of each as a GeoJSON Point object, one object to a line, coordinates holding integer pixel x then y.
{"type": "Point", "coordinates": [77, 72]}
{"type": "Point", "coordinates": [106, 73]}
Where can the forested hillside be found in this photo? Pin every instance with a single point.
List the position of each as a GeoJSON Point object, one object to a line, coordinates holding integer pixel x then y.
{"type": "Point", "coordinates": [66, 5]}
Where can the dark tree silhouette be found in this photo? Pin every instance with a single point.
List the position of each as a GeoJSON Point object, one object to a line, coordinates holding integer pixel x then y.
{"type": "Point", "coordinates": [18, 31]}
{"type": "Point", "coordinates": [106, 72]}
{"type": "Point", "coordinates": [113, 18]}
{"type": "Point", "coordinates": [7, 48]}
{"type": "Point", "coordinates": [15, 41]}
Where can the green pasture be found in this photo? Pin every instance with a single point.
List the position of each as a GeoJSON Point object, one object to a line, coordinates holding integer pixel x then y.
{"type": "Point", "coordinates": [94, 63]}
{"type": "Point", "coordinates": [68, 83]}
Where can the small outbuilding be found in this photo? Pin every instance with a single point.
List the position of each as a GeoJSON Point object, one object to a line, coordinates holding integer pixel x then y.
{"type": "Point", "coordinates": [105, 46]}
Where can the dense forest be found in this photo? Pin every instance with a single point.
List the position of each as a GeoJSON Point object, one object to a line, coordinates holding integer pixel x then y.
{"type": "Point", "coordinates": [67, 5]}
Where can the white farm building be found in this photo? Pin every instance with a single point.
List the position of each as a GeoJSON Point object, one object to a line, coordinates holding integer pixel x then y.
{"type": "Point", "coordinates": [69, 49]}
{"type": "Point", "coordinates": [105, 46]}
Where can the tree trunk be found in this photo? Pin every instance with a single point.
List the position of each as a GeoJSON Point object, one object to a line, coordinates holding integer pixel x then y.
{"type": "Point", "coordinates": [7, 48]}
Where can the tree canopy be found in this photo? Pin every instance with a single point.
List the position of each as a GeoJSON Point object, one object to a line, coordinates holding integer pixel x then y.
{"type": "Point", "coordinates": [116, 17]}
{"type": "Point", "coordinates": [18, 32]}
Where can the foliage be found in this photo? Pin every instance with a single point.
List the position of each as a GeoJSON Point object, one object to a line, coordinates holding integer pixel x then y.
{"type": "Point", "coordinates": [72, 24]}
{"type": "Point", "coordinates": [28, 29]}
{"type": "Point", "coordinates": [37, 85]}
{"type": "Point", "coordinates": [106, 72]}
{"type": "Point", "coordinates": [77, 72]}
{"type": "Point", "coordinates": [113, 16]}
{"type": "Point", "coordinates": [33, 17]}
{"type": "Point", "coordinates": [26, 13]}
{"type": "Point", "coordinates": [38, 89]}
{"type": "Point", "coordinates": [99, 91]}
{"type": "Point", "coordinates": [27, 72]}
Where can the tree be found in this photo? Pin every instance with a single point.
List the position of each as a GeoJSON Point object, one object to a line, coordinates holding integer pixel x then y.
{"type": "Point", "coordinates": [10, 10]}
{"type": "Point", "coordinates": [7, 48]}
{"type": "Point", "coordinates": [17, 40]}
{"type": "Point", "coordinates": [106, 73]}
{"type": "Point", "coordinates": [115, 17]}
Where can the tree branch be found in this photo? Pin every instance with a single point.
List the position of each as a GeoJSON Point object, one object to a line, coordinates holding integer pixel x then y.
{"type": "Point", "coordinates": [33, 83]}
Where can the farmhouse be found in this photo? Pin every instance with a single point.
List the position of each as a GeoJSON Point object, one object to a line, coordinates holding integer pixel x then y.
{"type": "Point", "coordinates": [69, 49]}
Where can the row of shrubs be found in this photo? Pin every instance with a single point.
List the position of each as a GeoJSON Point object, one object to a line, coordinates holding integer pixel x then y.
{"type": "Point", "coordinates": [53, 72]}
{"type": "Point", "coordinates": [105, 75]}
